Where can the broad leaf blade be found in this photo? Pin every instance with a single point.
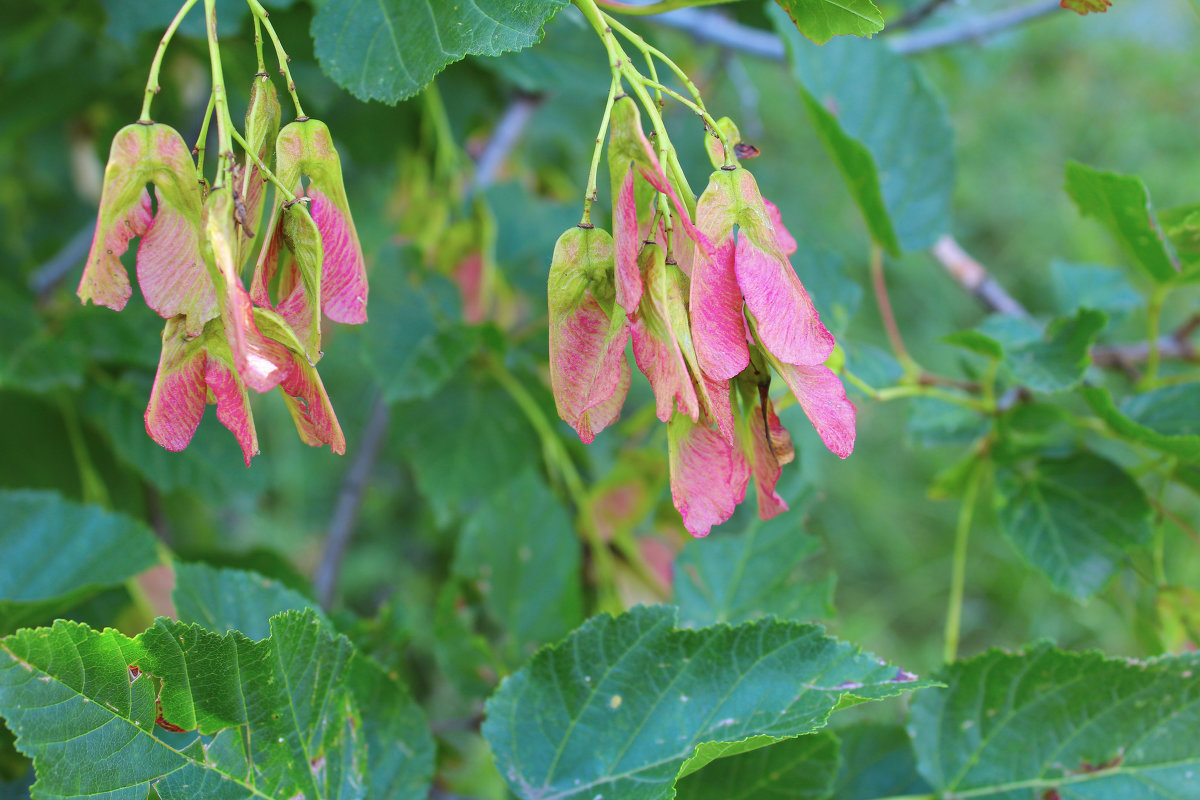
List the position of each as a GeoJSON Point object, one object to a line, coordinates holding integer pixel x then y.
{"type": "Point", "coordinates": [798, 769]}
{"type": "Point", "coordinates": [886, 130]}
{"type": "Point", "coordinates": [1048, 723]}
{"type": "Point", "coordinates": [390, 49]}
{"type": "Point", "coordinates": [1164, 419]}
{"type": "Point", "coordinates": [1057, 361]}
{"type": "Point", "coordinates": [223, 600]}
{"type": "Point", "coordinates": [55, 553]}
{"type": "Point", "coordinates": [877, 761]}
{"type": "Point", "coordinates": [624, 704]}
{"type": "Point", "coordinates": [741, 577]}
{"type": "Point", "coordinates": [1074, 518]}
{"type": "Point", "coordinates": [821, 20]}
{"type": "Point", "coordinates": [1122, 205]}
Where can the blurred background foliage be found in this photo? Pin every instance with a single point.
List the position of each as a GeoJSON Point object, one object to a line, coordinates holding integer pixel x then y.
{"type": "Point", "coordinates": [461, 482]}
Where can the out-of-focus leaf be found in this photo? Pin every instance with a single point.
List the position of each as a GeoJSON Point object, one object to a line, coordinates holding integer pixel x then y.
{"type": "Point", "coordinates": [565, 61]}
{"type": "Point", "coordinates": [55, 554]}
{"type": "Point", "coordinates": [1047, 723]}
{"type": "Point", "coordinates": [223, 600]}
{"type": "Point", "coordinates": [1182, 228]}
{"type": "Point", "coordinates": [877, 761]}
{"type": "Point", "coordinates": [1164, 419]}
{"type": "Point", "coordinates": [627, 705]}
{"type": "Point", "coordinates": [797, 769]}
{"type": "Point", "coordinates": [976, 342]}
{"type": "Point", "coordinates": [933, 422]}
{"type": "Point", "coordinates": [1178, 610]}
{"type": "Point", "coordinates": [740, 577]}
{"type": "Point", "coordinates": [1093, 286]}
{"type": "Point", "coordinates": [390, 49]}
{"type": "Point", "coordinates": [89, 721]}
{"type": "Point", "coordinates": [821, 20]}
{"type": "Point", "coordinates": [1122, 205]}
{"type": "Point", "coordinates": [522, 554]}
{"type": "Point", "coordinates": [1058, 360]}
{"type": "Point", "coordinates": [886, 130]}
{"type": "Point", "coordinates": [823, 273]}
{"type": "Point", "coordinates": [1074, 519]}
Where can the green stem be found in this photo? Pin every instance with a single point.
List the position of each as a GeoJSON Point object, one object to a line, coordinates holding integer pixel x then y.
{"type": "Point", "coordinates": [445, 151]}
{"type": "Point", "coordinates": [262, 168]}
{"type": "Point", "coordinates": [959, 565]}
{"type": "Point", "coordinates": [1160, 532]}
{"type": "Point", "coordinates": [589, 195]}
{"type": "Point", "coordinates": [92, 488]}
{"type": "Point", "coordinates": [559, 461]}
{"type": "Point", "coordinates": [883, 301]}
{"type": "Point", "coordinates": [219, 100]}
{"type": "Point", "coordinates": [1153, 319]}
{"type": "Point", "coordinates": [261, 15]}
{"type": "Point", "coordinates": [202, 139]}
{"type": "Point", "coordinates": [660, 7]}
{"type": "Point", "coordinates": [152, 86]}
{"type": "Point", "coordinates": [258, 43]}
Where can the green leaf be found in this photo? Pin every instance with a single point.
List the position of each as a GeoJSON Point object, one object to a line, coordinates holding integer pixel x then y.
{"type": "Point", "coordinates": [823, 273]}
{"type": "Point", "coordinates": [1122, 205]}
{"type": "Point", "coordinates": [977, 342]}
{"type": "Point", "coordinates": [521, 552]}
{"type": "Point", "coordinates": [1093, 286]}
{"type": "Point", "coordinates": [55, 554]}
{"type": "Point", "coordinates": [796, 769]}
{"type": "Point", "coordinates": [933, 422]}
{"type": "Point", "coordinates": [1182, 228]}
{"type": "Point", "coordinates": [625, 705]}
{"type": "Point", "coordinates": [1047, 723]}
{"type": "Point", "coordinates": [390, 49]}
{"type": "Point", "coordinates": [737, 578]}
{"type": "Point", "coordinates": [223, 600]}
{"type": "Point", "coordinates": [821, 20]}
{"type": "Point", "coordinates": [886, 130]}
{"type": "Point", "coordinates": [397, 736]}
{"type": "Point", "coordinates": [1074, 518]}
{"type": "Point", "coordinates": [275, 716]}
{"type": "Point", "coordinates": [1164, 419]}
{"type": "Point", "coordinates": [1057, 361]}
{"type": "Point", "coordinates": [877, 761]}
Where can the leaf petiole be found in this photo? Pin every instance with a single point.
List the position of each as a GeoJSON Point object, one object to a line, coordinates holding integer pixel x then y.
{"type": "Point", "coordinates": [152, 87]}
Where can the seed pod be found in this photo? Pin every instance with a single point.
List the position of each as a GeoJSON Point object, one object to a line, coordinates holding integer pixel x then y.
{"type": "Point", "coordinates": [262, 127]}
{"type": "Point", "coordinates": [657, 329]}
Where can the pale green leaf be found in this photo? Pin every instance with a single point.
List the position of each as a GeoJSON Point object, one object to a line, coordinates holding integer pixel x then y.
{"type": "Point", "coordinates": [222, 600]}
{"type": "Point", "coordinates": [1047, 723]}
{"type": "Point", "coordinates": [625, 705]}
{"type": "Point", "coordinates": [821, 20]}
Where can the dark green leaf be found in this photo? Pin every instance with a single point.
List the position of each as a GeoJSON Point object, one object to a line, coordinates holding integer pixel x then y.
{"type": "Point", "coordinates": [1058, 360]}
{"type": "Point", "coordinates": [1093, 286]}
{"type": "Point", "coordinates": [821, 20]}
{"type": "Point", "coordinates": [933, 422]}
{"type": "Point", "coordinates": [877, 761]}
{"type": "Point", "coordinates": [1047, 723]}
{"type": "Point", "coordinates": [1164, 419]}
{"type": "Point", "coordinates": [55, 554]}
{"type": "Point", "coordinates": [522, 554]}
{"type": "Point", "coordinates": [390, 49]}
{"type": "Point", "coordinates": [223, 600]}
{"type": "Point", "coordinates": [737, 578]}
{"type": "Point", "coordinates": [1009, 331]}
{"type": "Point", "coordinates": [797, 769]}
{"type": "Point", "coordinates": [626, 705]}
{"type": "Point", "coordinates": [1122, 205]}
{"type": "Point", "coordinates": [885, 128]}
{"type": "Point", "coordinates": [276, 718]}
{"type": "Point", "coordinates": [1073, 518]}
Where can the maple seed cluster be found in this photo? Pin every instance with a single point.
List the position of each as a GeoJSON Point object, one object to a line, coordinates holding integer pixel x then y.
{"type": "Point", "coordinates": [220, 340]}
{"type": "Point", "coordinates": [712, 307]}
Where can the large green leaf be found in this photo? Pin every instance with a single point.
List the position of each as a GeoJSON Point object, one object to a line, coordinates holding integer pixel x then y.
{"type": "Point", "coordinates": [390, 49]}
{"type": "Point", "coordinates": [1164, 419]}
{"type": "Point", "coordinates": [877, 761]}
{"type": "Point", "coordinates": [1073, 518]}
{"type": "Point", "coordinates": [626, 705]}
{"type": "Point", "coordinates": [399, 744]}
{"type": "Point", "coordinates": [1057, 361]}
{"type": "Point", "coordinates": [736, 578]}
{"type": "Point", "coordinates": [523, 556]}
{"type": "Point", "coordinates": [55, 554]}
{"type": "Point", "coordinates": [1047, 723]}
{"type": "Point", "coordinates": [1122, 205]}
{"type": "Point", "coordinates": [223, 600]}
{"type": "Point", "coordinates": [797, 769]}
{"type": "Point", "coordinates": [885, 128]}
{"type": "Point", "coordinates": [1093, 286]}
{"type": "Point", "coordinates": [821, 20]}
{"type": "Point", "coordinates": [275, 717]}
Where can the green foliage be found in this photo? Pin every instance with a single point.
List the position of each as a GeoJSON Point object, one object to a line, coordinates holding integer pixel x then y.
{"type": "Point", "coordinates": [802, 768]}
{"type": "Point", "coordinates": [1058, 360]}
{"type": "Point", "coordinates": [390, 49]}
{"type": "Point", "coordinates": [876, 761]}
{"type": "Point", "coordinates": [1076, 519]}
{"type": "Point", "coordinates": [821, 20]}
{"type": "Point", "coordinates": [223, 600]}
{"type": "Point", "coordinates": [1046, 722]}
{"type": "Point", "coordinates": [886, 131]}
{"type": "Point", "coordinates": [55, 554]}
{"type": "Point", "coordinates": [1164, 419]}
{"type": "Point", "coordinates": [627, 705]}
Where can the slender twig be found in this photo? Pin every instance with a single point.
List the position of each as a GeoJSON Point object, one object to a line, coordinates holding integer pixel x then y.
{"type": "Point", "coordinates": [50, 273]}
{"type": "Point", "coordinates": [504, 138]}
{"type": "Point", "coordinates": [974, 277]}
{"type": "Point", "coordinates": [262, 168]}
{"type": "Point", "coordinates": [958, 569]}
{"type": "Point", "coordinates": [152, 87]}
{"type": "Point", "coordinates": [879, 285]}
{"type": "Point", "coordinates": [280, 54]}
{"type": "Point", "coordinates": [349, 502]}
{"type": "Point", "coordinates": [915, 16]}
